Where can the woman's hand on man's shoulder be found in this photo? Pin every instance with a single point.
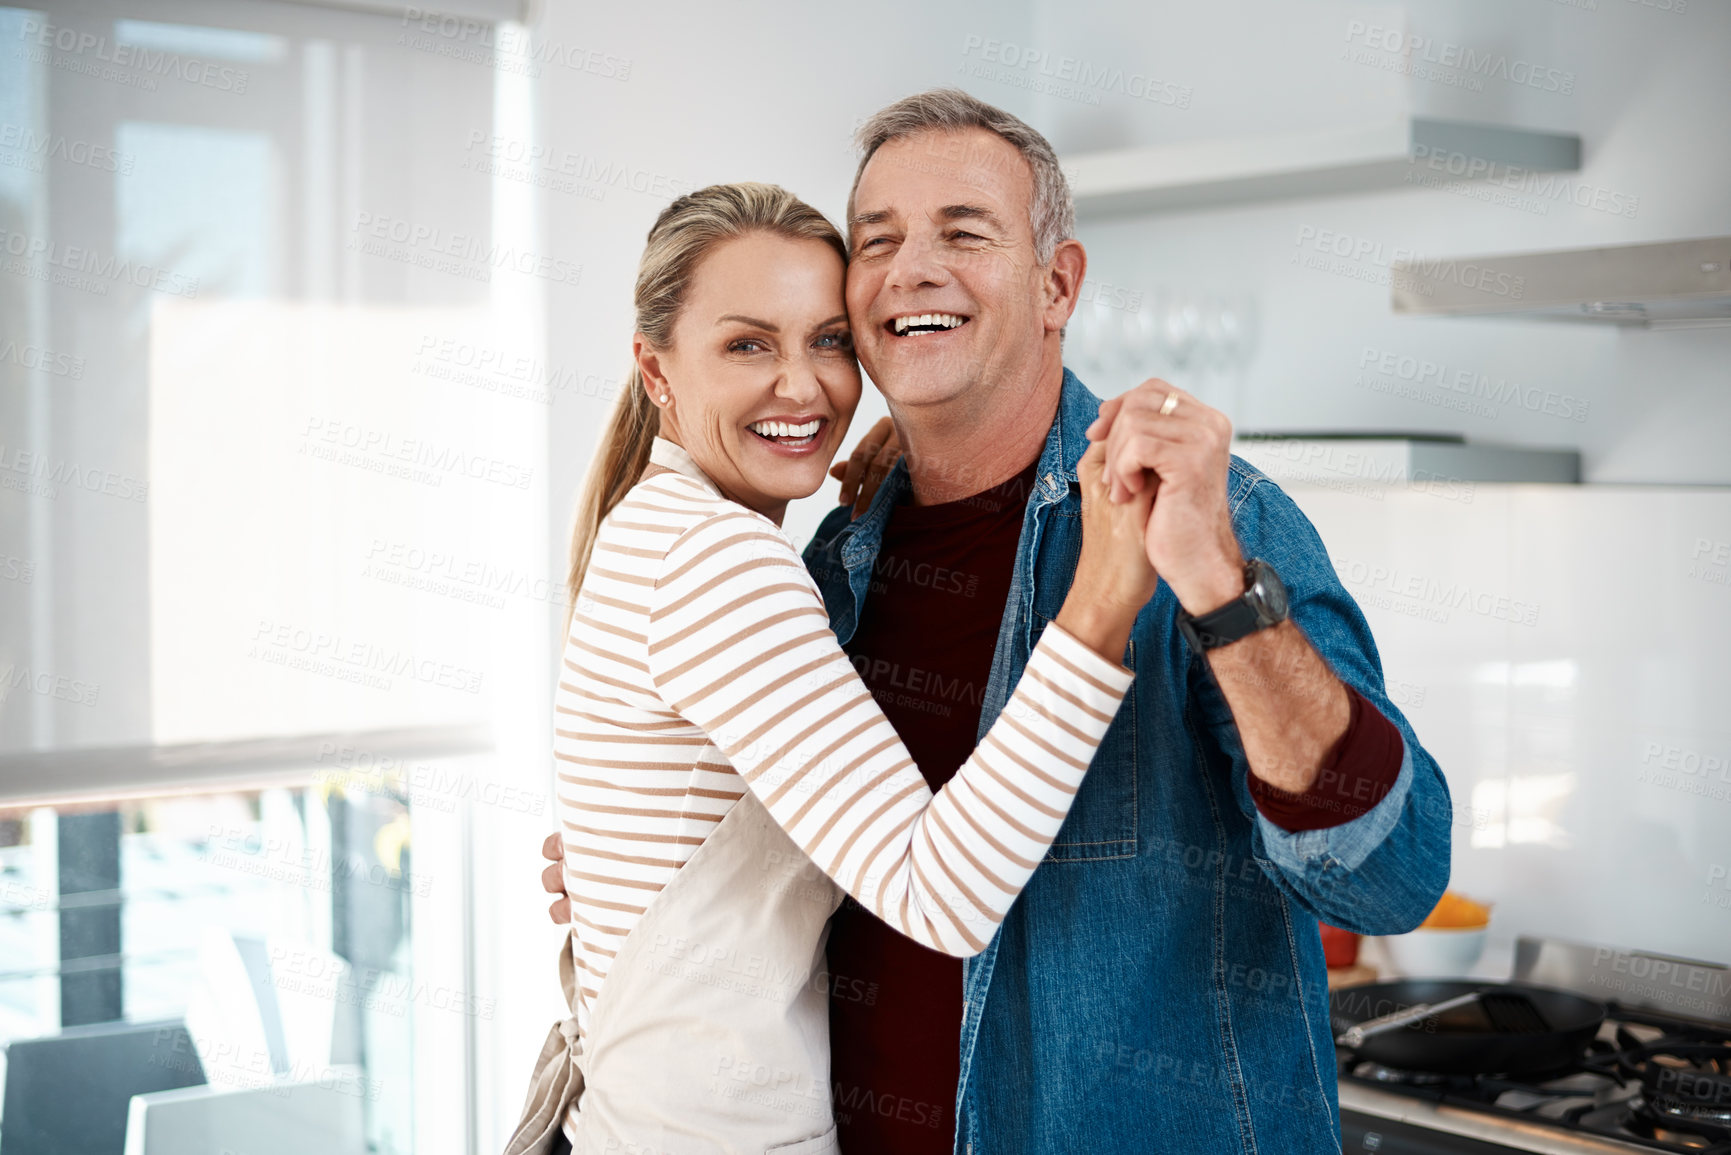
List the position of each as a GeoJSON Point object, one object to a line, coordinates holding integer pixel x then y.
{"type": "Point", "coordinates": [553, 879]}
{"type": "Point", "coordinates": [866, 467]}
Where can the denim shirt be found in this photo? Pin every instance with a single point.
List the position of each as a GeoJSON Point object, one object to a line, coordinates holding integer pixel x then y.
{"type": "Point", "coordinates": [1159, 985]}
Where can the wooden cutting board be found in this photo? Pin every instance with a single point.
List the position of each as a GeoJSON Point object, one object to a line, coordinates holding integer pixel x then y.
{"type": "Point", "coordinates": [1351, 976]}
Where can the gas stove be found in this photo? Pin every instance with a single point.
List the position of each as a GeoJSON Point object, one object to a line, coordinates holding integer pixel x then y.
{"type": "Point", "coordinates": [1651, 1079]}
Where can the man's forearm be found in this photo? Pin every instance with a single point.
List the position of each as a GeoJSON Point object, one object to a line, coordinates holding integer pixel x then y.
{"type": "Point", "coordinates": [1290, 709]}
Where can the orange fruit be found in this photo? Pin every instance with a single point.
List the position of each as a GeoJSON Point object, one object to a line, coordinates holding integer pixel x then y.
{"type": "Point", "coordinates": [1456, 911]}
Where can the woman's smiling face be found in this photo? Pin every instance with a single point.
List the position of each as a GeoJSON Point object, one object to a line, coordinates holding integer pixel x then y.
{"type": "Point", "coordinates": [760, 376]}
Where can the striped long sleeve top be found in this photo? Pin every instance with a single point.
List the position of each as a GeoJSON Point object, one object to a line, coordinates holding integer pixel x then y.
{"type": "Point", "coordinates": [700, 664]}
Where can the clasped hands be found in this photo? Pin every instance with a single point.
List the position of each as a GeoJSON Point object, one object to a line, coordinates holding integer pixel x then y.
{"type": "Point", "coordinates": [1155, 435]}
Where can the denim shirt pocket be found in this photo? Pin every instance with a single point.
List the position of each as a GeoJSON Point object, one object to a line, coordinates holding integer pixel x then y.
{"type": "Point", "coordinates": [1102, 820]}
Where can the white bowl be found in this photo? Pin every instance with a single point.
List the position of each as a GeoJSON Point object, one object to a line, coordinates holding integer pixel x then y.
{"type": "Point", "coordinates": [1436, 954]}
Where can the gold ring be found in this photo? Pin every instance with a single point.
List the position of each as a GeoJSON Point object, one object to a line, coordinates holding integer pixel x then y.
{"type": "Point", "coordinates": [1169, 406]}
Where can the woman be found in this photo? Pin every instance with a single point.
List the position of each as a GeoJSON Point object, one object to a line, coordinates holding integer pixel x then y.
{"type": "Point", "coordinates": [724, 773]}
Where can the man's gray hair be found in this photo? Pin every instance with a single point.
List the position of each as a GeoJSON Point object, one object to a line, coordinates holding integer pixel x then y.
{"type": "Point", "coordinates": [1052, 213]}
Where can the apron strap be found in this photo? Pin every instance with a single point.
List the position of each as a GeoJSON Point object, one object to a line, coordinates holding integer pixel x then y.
{"type": "Point", "coordinates": [557, 1081]}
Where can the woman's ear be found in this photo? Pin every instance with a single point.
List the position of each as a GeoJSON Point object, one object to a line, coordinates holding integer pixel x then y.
{"type": "Point", "coordinates": [649, 367]}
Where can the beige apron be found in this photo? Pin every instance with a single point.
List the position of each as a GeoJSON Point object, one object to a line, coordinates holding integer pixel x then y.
{"type": "Point", "coordinates": [711, 1032]}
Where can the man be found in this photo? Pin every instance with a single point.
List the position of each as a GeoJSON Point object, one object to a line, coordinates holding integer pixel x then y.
{"type": "Point", "coordinates": [1160, 984]}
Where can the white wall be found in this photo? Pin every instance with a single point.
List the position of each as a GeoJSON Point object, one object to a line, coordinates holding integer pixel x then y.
{"type": "Point", "coordinates": [1650, 99]}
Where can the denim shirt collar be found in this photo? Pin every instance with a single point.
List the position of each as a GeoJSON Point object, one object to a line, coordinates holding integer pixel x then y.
{"type": "Point", "coordinates": [1068, 440]}
{"type": "Point", "coordinates": [856, 543]}
{"type": "Point", "coordinates": [1065, 444]}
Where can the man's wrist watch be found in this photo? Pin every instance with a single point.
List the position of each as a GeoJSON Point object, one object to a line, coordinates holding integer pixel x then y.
{"type": "Point", "coordinates": [1263, 604]}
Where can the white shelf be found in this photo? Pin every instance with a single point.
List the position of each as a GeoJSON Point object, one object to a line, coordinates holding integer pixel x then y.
{"type": "Point", "coordinates": [1206, 174]}
{"type": "Point", "coordinates": [1373, 461]}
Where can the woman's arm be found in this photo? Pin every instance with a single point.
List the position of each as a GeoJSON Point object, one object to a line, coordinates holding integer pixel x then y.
{"type": "Point", "coordinates": [739, 644]}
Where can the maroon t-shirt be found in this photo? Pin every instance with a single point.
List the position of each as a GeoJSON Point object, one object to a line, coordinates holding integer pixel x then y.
{"type": "Point", "coordinates": [927, 633]}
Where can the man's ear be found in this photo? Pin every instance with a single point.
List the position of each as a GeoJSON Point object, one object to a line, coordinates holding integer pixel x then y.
{"type": "Point", "coordinates": [1069, 265]}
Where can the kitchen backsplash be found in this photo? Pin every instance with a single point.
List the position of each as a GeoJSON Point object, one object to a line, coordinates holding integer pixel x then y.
{"type": "Point", "coordinates": [1565, 652]}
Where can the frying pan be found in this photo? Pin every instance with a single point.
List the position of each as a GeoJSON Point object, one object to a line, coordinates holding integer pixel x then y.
{"type": "Point", "coordinates": [1462, 1041]}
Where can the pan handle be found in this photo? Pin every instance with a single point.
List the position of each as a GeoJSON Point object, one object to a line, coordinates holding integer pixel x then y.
{"type": "Point", "coordinates": [1354, 1037]}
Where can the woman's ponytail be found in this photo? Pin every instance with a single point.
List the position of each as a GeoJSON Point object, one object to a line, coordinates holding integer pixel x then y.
{"type": "Point", "coordinates": [620, 459]}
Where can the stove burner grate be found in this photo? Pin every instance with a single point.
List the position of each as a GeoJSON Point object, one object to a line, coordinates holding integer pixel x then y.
{"type": "Point", "coordinates": [1684, 1085]}
{"type": "Point", "coordinates": [1662, 1082]}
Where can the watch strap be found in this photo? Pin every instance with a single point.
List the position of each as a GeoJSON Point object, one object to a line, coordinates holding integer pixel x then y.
{"type": "Point", "coordinates": [1238, 618]}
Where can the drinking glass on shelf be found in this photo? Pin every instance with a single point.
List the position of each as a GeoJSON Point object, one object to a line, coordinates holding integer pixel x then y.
{"type": "Point", "coordinates": [1139, 329]}
{"type": "Point", "coordinates": [1100, 345]}
{"type": "Point", "coordinates": [1209, 355]}
{"type": "Point", "coordinates": [1237, 325]}
{"type": "Point", "coordinates": [1180, 326]}
{"type": "Point", "coordinates": [1123, 357]}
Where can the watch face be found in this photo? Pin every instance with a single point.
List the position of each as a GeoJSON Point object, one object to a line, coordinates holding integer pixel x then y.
{"type": "Point", "coordinates": [1269, 590]}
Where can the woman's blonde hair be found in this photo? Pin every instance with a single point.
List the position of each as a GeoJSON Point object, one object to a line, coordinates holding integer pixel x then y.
{"type": "Point", "coordinates": [686, 231]}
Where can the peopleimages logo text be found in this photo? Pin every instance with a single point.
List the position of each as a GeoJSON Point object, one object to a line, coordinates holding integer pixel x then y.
{"type": "Point", "coordinates": [1451, 55]}
{"type": "Point", "coordinates": [155, 62]}
{"type": "Point", "coordinates": [41, 475]}
{"type": "Point", "coordinates": [468, 32]}
{"type": "Point", "coordinates": [1074, 70]}
{"type": "Point", "coordinates": [1495, 390]}
{"type": "Point", "coordinates": [33, 145]}
{"type": "Point", "coordinates": [83, 263]}
{"type": "Point", "coordinates": [1407, 264]}
{"type": "Point", "coordinates": [323, 436]}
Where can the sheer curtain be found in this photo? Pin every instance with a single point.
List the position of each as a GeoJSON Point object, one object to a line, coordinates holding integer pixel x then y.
{"type": "Point", "coordinates": [272, 470]}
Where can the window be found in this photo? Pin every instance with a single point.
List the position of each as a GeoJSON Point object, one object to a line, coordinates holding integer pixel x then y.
{"type": "Point", "coordinates": [273, 572]}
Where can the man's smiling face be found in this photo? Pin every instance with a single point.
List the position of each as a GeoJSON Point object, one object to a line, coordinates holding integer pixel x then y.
{"type": "Point", "coordinates": [944, 291]}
